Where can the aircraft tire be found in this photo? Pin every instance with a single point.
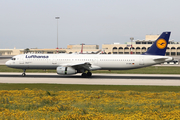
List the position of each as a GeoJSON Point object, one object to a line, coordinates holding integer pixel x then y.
{"type": "Point", "coordinates": [24, 74]}
{"type": "Point", "coordinates": [84, 75]}
{"type": "Point", "coordinates": [89, 74]}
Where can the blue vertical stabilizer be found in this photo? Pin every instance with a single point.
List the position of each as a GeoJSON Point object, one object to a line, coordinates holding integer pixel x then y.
{"type": "Point", "coordinates": [160, 45]}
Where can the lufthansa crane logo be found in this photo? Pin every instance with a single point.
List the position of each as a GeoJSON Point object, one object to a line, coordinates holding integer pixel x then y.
{"type": "Point", "coordinates": [161, 43]}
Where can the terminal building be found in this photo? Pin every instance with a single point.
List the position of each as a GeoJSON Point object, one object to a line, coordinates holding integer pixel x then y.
{"type": "Point", "coordinates": [91, 49]}
{"type": "Point", "coordinates": [141, 46]}
{"type": "Point", "coordinates": [15, 51]}
{"type": "Point", "coordinates": [138, 47]}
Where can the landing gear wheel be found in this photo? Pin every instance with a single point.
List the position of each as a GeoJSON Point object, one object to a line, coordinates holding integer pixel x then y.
{"type": "Point", "coordinates": [84, 75]}
{"type": "Point", "coordinates": [23, 74]}
{"type": "Point", "coordinates": [89, 74]}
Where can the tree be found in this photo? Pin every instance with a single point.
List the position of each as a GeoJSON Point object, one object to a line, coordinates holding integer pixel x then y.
{"type": "Point", "coordinates": [26, 50]}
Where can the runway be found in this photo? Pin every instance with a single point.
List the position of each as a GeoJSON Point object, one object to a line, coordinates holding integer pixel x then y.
{"type": "Point", "coordinates": [96, 79]}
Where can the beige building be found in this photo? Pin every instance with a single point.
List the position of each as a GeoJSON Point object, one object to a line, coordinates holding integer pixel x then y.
{"type": "Point", "coordinates": [11, 51]}
{"type": "Point", "coordinates": [86, 48]}
{"type": "Point", "coordinates": [70, 49]}
{"type": "Point", "coordinates": [140, 46]}
{"type": "Point", "coordinates": [22, 51]}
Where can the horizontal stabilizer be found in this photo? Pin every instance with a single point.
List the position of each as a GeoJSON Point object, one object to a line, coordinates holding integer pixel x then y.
{"type": "Point", "coordinates": [163, 59]}
{"type": "Point", "coordinates": [160, 59]}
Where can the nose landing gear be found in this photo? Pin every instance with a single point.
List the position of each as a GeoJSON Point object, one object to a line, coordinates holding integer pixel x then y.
{"type": "Point", "coordinates": [24, 74]}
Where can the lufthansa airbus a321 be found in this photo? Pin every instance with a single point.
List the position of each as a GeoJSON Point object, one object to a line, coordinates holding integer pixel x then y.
{"type": "Point", "coordinates": [66, 64]}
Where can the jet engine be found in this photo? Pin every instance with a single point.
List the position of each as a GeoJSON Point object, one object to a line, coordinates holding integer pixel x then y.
{"type": "Point", "coordinates": [65, 70]}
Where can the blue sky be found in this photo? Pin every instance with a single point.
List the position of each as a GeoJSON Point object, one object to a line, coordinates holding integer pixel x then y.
{"type": "Point", "coordinates": [31, 24]}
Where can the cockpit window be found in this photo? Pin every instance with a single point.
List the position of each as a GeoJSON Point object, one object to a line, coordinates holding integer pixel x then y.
{"type": "Point", "coordinates": [13, 58]}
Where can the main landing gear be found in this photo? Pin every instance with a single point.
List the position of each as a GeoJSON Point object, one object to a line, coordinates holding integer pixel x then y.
{"type": "Point", "coordinates": [24, 74]}
{"type": "Point", "coordinates": [88, 74]}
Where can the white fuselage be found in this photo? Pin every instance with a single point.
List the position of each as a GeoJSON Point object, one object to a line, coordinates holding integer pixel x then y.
{"type": "Point", "coordinates": [97, 61]}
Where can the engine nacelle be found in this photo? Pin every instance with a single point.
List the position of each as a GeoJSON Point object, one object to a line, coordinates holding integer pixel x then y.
{"type": "Point", "coordinates": [65, 70]}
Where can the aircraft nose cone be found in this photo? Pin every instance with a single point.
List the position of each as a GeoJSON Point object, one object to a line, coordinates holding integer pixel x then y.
{"type": "Point", "coordinates": [7, 63]}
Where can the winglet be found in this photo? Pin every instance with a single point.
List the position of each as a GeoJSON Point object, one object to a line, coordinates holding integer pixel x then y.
{"type": "Point", "coordinates": [160, 45]}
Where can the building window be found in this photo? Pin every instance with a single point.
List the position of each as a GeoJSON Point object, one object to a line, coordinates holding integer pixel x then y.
{"type": "Point", "coordinates": [114, 48]}
{"type": "Point", "coordinates": [144, 48]}
{"type": "Point", "coordinates": [120, 52]}
{"type": "Point", "coordinates": [49, 52]}
{"type": "Point", "coordinates": [61, 51]}
{"type": "Point", "coordinates": [173, 53]}
{"type": "Point", "coordinates": [173, 48]}
{"type": "Point", "coordinates": [109, 52]}
{"type": "Point", "coordinates": [126, 52]}
{"type": "Point", "coordinates": [138, 42]}
{"type": "Point", "coordinates": [149, 42]}
{"type": "Point", "coordinates": [114, 52]}
{"type": "Point", "coordinates": [143, 42]}
{"type": "Point", "coordinates": [167, 53]}
{"type": "Point", "coordinates": [120, 48]}
{"type": "Point", "coordinates": [138, 48]}
{"type": "Point", "coordinates": [138, 53]}
{"type": "Point", "coordinates": [126, 48]}
{"type": "Point", "coordinates": [178, 53]}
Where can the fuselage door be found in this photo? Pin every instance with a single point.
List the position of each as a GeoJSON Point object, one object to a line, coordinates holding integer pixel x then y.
{"type": "Point", "coordinates": [95, 61]}
{"type": "Point", "coordinates": [21, 60]}
{"type": "Point", "coordinates": [141, 60]}
{"type": "Point", "coordinates": [54, 60]}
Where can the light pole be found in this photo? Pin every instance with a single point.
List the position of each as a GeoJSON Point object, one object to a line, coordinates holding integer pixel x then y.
{"type": "Point", "coordinates": [131, 38]}
{"type": "Point", "coordinates": [82, 48]}
{"type": "Point", "coordinates": [57, 18]}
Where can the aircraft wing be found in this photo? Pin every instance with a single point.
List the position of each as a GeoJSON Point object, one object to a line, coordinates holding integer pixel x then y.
{"type": "Point", "coordinates": [85, 65]}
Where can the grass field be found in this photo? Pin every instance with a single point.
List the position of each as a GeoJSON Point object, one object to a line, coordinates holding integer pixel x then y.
{"type": "Point", "coordinates": [88, 105]}
{"type": "Point", "coordinates": [146, 70]}
{"type": "Point", "coordinates": [89, 102]}
{"type": "Point", "coordinates": [59, 87]}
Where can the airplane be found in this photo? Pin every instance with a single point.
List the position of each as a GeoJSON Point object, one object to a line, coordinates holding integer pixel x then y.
{"type": "Point", "coordinates": [66, 64]}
